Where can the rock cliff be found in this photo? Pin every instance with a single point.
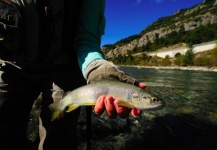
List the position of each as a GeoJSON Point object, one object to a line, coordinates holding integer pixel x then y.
{"type": "Point", "coordinates": [204, 14]}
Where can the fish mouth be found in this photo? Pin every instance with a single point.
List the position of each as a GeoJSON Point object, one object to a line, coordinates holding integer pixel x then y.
{"type": "Point", "coordinates": [156, 106]}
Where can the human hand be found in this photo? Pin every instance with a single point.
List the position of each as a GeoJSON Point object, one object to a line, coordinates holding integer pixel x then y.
{"type": "Point", "coordinates": [112, 108]}
{"type": "Point", "coordinates": [102, 69]}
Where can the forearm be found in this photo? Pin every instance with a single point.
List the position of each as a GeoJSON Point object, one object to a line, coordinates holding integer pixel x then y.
{"type": "Point", "coordinates": [91, 28]}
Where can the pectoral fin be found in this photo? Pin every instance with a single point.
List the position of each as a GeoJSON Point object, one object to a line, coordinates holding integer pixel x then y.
{"type": "Point", "coordinates": [125, 103]}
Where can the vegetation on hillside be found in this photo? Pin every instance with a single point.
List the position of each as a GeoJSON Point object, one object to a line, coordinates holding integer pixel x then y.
{"type": "Point", "coordinates": [179, 36]}
{"type": "Point", "coordinates": [207, 58]}
{"type": "Point", "coordinates": [198, 35]}
{"type": "Point", "coordinates": [169, 21]}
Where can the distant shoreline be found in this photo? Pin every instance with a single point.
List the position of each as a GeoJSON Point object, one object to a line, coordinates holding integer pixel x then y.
{"type": "Point", "coordinates": [195, 68]}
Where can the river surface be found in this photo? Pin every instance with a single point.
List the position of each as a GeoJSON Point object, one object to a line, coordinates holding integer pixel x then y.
{"type": "Point", "coordinates": [188, 121]}
{"type": "Point", "coordinates": [189, 118]}
{"type": "Point", "coordinates": [184, 91]}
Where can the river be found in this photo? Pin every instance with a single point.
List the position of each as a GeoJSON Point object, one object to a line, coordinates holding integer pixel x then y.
{"type": "Point", "coordinates": [189, 118]}
{"type": "Point", "coordinates": [191, 92]}
{"type": "Point", "coordinates": [188, 121]}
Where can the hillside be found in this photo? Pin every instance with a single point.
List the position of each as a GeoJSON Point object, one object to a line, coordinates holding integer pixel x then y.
{"type": "Point", "coordinates": [186, 26]}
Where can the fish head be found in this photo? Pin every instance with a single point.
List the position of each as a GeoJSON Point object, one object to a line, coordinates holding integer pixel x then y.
{"type": "Point", "coordinates": [145, 101]}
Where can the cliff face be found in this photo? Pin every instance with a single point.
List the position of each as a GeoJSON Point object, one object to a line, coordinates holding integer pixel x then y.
{"type": "Point", "coordinates": [184, 19]}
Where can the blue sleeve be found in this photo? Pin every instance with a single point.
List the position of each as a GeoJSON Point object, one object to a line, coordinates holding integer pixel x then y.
{"type": "Point", "coordinates": [86, 55]}
{"type": "Point", "coordinates": [90, 29]}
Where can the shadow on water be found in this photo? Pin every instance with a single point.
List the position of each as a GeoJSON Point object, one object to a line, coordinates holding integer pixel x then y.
{"type": "Point", "coordinates": [171, 132]}
{"type": "Point", "coordinates": [174, 132]}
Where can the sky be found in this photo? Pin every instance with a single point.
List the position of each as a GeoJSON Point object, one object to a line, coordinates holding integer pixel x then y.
{"type": "Point", "coordinates": [125, 18]}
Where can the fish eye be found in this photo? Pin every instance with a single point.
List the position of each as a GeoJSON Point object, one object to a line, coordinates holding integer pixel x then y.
{"type": "Point", "coordinates": [154, 99]}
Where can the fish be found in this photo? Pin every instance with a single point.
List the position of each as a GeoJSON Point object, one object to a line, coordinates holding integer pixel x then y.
{"type": "Point", "coordinates": [130, 96]}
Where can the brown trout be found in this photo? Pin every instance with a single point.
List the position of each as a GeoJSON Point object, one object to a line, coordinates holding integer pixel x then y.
{"type": "Point", "coordinates": [131, 96]}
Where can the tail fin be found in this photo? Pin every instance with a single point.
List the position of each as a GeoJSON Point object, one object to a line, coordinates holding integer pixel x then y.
{"type": "Point", "coordinates": [56, 113]}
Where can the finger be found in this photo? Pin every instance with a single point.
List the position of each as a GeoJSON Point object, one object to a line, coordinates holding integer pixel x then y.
{"type": "Point", "coordinates": [121, 111]}
{"type": "Point", "coordinates": [141, 85]}
{"type": "Point", "coordinates": [100, 106]}
{"type": "Point", "coordinates": [135, 112]}
{"type": "Point", "coordinates": [110, 108]}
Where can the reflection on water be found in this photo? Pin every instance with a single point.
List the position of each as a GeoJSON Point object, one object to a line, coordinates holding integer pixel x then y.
{"type": "Point", "coordinates": [189, 118]}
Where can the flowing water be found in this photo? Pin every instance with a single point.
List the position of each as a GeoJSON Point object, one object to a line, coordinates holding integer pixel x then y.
{"type": "Point", "coordinates": [188, 121]}
{"type": "Point", "coordinates": [189, 118]}
{"type": "Point", "coordinates": [184, 91]}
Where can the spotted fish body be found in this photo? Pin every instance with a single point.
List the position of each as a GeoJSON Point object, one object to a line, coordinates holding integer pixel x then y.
{"type": "Point", "coordinates": [131, 96]}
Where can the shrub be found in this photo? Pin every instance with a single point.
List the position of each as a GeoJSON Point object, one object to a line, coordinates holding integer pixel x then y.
{"type": "Point", "coordinates": [180, 60]}
{"type": "Point", "coordinates": [165, 61]}
{"type": "Point", "coordinates": [202, 61]}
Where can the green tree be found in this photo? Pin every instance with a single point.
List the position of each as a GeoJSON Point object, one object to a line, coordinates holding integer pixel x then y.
{"type": "Point", "coordinates": [189, 57]}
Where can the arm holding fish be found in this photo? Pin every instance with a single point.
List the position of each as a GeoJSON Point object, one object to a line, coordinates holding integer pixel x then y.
{"type": "Point", "coordinates": [91, 59]}
{"type": "Point", "coordinates": [101, 69]}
